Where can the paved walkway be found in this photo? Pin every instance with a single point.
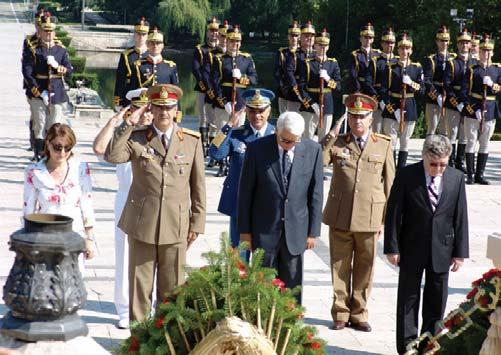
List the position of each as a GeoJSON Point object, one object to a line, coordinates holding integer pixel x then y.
{"type": "Point", "coordinates": [99, 312]}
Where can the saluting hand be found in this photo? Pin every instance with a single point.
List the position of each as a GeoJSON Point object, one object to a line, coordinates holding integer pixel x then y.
{"type": "Point", "coordinates": [135, 116]}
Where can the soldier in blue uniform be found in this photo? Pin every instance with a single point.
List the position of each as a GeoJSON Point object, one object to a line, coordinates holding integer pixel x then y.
{"type": "Point", "coordinates": [43, 72]}
{"type": "Point", "coordinates": [454, 75]}
{"type": "Point", "coordinates": [358, 63]}
{"type": "Point", "coordinates": [433, 70]}
{"type": "Point", "coordinates": [479, 91]}
{"type": "Point", "coordinates": [310, 73]}
{"type": "Point", "coordinates": [377, 69]}
{"type": "Point", "coordinates": [408, 74]}
{"type": "Point", "coordinates": [200, 55]}
{"type": "Point", "coordinates": [294, 61]}
{"type": "Point", "coordinates": [226, 67]}
{"type": "Point", "coordinates": [232, 142]}
{"type": "Point", "coordinates": [283, 91]}
{"type": "Point", "coordinates": [126, 62]}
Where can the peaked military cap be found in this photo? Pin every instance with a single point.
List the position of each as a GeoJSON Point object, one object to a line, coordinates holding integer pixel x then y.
{"type": "Point", "coordinates": [258, 98]}
{"type": "Point", "coordinates": [388, 35]}
{"type": "Point", "coordinates": [164, 94]}
{"type": "Point", "coordinates": [360, 104]}
{"type": "Point", "coordinates": [234, 33]}
{"type": "Point", "coordinates": [155, 35]}
{"type": "Point", "coordinates": [464, 36]}
{"type": "Point", "coordinates": [294, 29]}
{"type": "Point", "coordinates": [223, 28]}
{"type": "Point", "coordinates": [487, 42]}
{"type": "Point", "coordinates": [138, 97]}
{"type": "Point", "coordinates": [367, 30]}
{"type": "Point", "coordinates": [323, 38]}
{"type": "Point", "coordinates": [404, 40]}
{"type": "Point", "coordinates": [47, 22]}
{"type": "Point", "coordinates": [142, 26]}
{"type": "Point", "coordinates": [308, 28]}
{"type": "Point", "coordinates": [213, 24]}
{"type": "Point", "coordinates": [443, 33]}
{"type": "Point", "coordinates": [475, 39]}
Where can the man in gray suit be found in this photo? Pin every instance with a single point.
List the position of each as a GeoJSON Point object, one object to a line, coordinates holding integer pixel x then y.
{"type": "Point", "coordinates": [280, 197]}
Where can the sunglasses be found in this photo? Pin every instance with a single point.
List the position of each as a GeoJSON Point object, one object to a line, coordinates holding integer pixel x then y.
{"type": "Point", "coordinates": [59, 148]}
{"type": "Point", "coordinates": [438, 165]}
{"type": "Point", "coordinates": [287, 141]}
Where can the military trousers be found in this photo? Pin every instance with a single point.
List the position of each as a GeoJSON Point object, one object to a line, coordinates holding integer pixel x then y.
{"type": "Point", "coordinates": [286, 105]}
{"type": "Point", "coordinates": [210, 114]}
{"type": "Point", "coordinates": [455, 125]}
{"type": "Point", "coordinates": [433, 122]}
{"type": "Point", "coordinates": [352, 266]}
{"type": "Point", "coordinates": [473, 132]}
{"type": "Point", "coordinates": [45, 116]}
{"type": "Point", "coordinates": [202, 114]}
{"type": "Point", "coordinates": [391, 128]}
{"type": "Point", "coordinates": [311, 125]}
{"type": "Point", "coordinates": [167, 260]}
{"type": "Point", "coordinates": [377, 121]}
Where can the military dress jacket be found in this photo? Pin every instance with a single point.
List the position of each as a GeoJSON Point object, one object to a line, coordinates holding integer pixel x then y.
{"type": "Point", "coordinates": [36, 71]}
{"type": "Point", "coordinates": [361, 182]}
{"type": "Point", "coordinates": [358, 70]}
{"type": "Point", "coordinates": [200, 56]}
{"type": "Point", "coordinates": [377, 69]}
{"type": "Point", "coordinates": [232, 143]}
{"type": "Point", "coordinates": [472, 91]}
{"type": "Point", "coordinates": [283, 90]}
{"type": "Point", "coordinates": [167, 196]}
{"type": "Point", "coordinates": [146, 73]}
{"type": "Point", "coordinates": [455, 72]}
{"type": "Point", "coordinates": [433, 71]}
{"type": "Point", "coordinates": [124, 74]}
{"type": "Point", "coordinates": [294, 61]}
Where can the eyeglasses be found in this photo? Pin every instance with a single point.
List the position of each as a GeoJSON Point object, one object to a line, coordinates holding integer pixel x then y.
{"type": "Point", "coordinates": [438, 165]}
{"type": "Point", "coordinates": [287, 141]}
{"type": "Point", "coordinates": [59, 148]}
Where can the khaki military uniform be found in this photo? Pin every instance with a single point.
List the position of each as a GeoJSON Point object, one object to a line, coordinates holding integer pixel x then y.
{"type": "Point", "coordinates": [165, 202]}
{"type": "Point", "coordinates": [354, 211]}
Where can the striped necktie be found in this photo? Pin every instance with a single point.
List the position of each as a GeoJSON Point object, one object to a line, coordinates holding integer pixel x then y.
{"type": "Point", "coordinates": [433, 193]}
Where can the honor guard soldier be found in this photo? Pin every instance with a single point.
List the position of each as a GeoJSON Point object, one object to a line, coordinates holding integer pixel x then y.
{"type": "Point", "coordinates": [478, 93]}
{"type": "Point", "coordinates": [377, 69]}
{"type": "Point", "coordinates": [43, 72]}
{"type": "Point", "coordinates": [455, 72]}
{"type": "Point", "coordinates": [284, 91]}
{"type": "Point", "coordinates": [294, 61]}
{"type": "Point", "coordinates": [153, 68]}
{"type": "Point", "coordinates": [166, 205]}
{"type": "Point", "coordinates": [358, 63]}
{"type": "Point", "coordinates": [232, 143]}
{"type": "Point", "coordinates": [320, 77]}
{"type": "Point", "coordinates": [200, 56]}
{"type": "Point", "coordinates": [363, 171]}
{"type": "Point", "coordinates": [475, 43]}
{"type": "Point", "coordinates": [400, 83]}
{"type": "Point", "coordinates": [126, 63]}
{"type": "Point", "coordinates": [433, 70]}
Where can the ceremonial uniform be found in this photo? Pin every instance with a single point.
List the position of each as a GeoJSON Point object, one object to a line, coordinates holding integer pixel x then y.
{"type": "Point", "coordinates": [433, 71]}
{"type": "Point", "coordinates": [29, 42]}
{"type": "Point", "coordinates": [480, 121]}
{"type": "Point", "coordinates": [165, 202]}
{"type": "Point", "coordinates": [358, 69]}
{"type": "Point", "coordinates": [124, 76]}
{"type": "Point", "coordinates": [147, 73]}
{"type": "Point", "coordinates": [363, 172]}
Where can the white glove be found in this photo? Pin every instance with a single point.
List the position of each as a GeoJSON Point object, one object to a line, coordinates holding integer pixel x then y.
{"type": "Point", "coordinates": [478, 115]}
{"type": "Point", "coordinates": [443, 65]}
{"type": "Point", "coordinates": [227, 107]}
{"type": "Point", "coordinates": [236, 73]}
{"type": "Point", "coordinates": [382, 105]}
{"type": "Point", "coordinates": [439, 101]}
{"type": "Point", "coordinates": [323, 74]}
{"type": "Point", "coordinates": [488, 81]}
{"type": "Point", "coordinates": [397, 114]}
{"type": "Point", "coordinates": [52, 61]}
{"type": "Point", "coordinates": [460, 107]}
{"type": "Point", "coordinates": [407, 80]}
{"type": "Point", "coordinates": [45, 97]}
{"type": "Point", "coordinates": [316, 109]}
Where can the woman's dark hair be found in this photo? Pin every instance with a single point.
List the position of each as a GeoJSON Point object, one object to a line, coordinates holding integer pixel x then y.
{"type": "Point", "coordinates": [59, 130]}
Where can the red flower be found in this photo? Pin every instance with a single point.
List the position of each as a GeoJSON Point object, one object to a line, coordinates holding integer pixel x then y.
{"type": "Point", "coordinates": [134, 344]}
{"type": "Point", "coordinates": [279, 283]}
{"type": "Point", "coordinates": [29, 177]}
{"type": "Point", "coordinates": [448, 324]}
{"type": "Point", "coordinates": [472, 293]}
{"type": "Point", "coordinates": [484, 300]}
{"type": "Point", "coordinates": [477, 282]}
{"type": "Point", "coordinates": [315, 345]}
{"type": "Point", "coordinates": [159, 323]}
{"type": "Point", "coordinates": [54, 199]}
{"type": "Point", "coordinates": [242, 274]}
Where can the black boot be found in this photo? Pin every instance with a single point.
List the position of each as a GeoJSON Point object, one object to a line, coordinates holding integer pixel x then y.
{"type": "Point", "coordinates": [402, 159]}
{"type": "Point", "coordinates": [460, 158]}
{"type": "Point", "coordinates": [32, 138]}
{"type": "Point", "coordinates": [481, 163]}
{"type": "Point", "coordinates": [452, 157]}
{"type": "Point", "coordinates": [470, 168]}
{"type": "Point", "coordinates": [204, 133]}
{"type": "Point", "coordinates": [395, 157]}
{"type": "Point", "coordinates": [39, 149]}
{"type": "Point", "coordinates": [222, 166]}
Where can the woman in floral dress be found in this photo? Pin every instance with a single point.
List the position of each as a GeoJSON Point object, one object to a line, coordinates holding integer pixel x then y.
{"type": "Point", "coordinates": [61, 184]}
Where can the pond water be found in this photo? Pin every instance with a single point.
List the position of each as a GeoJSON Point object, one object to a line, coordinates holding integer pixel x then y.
{"type": "Point", "coordinates": [264, 67]}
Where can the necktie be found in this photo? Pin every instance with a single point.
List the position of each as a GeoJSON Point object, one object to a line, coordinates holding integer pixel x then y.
{"type": "Point", "coordinates": [257, 135]}
{"type": "Point", "coordinates": [164, 141]}
{"type": "Point", "coordinates": [286, 168]}
{"type": "Point", "coordinates": [360, 143]}
{"type": "Point", "coordinates": [433, 193]}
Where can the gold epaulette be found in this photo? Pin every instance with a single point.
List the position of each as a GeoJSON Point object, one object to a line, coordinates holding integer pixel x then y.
{"type": "Point", "coordinates": [129, 51]}
{"type": "Point", "coordinates": [332, 59]}
{"type": "Point", "coordinates": [497, 65]}
{"type": "Point", "coordinates": [190, 132]}
{"type": "Point", "coordinates": [355, 51]}
{"type": "Point", "coordinates": [57, 42]}
{"type": "Point", "coordinates": [384, 136]}
{"type": "Point", "coordinates": [139, 61]}
{"type": "Point", "coordinates": [281, 49]}
{"type": "Point", "coordinates": [170, 62]}
{"type": "Point", "coordinates": [453, 55]}
{"type": "Point", "coordinates": [417, 64]}
{"type": "Point", "coordinates": [244, 54]}
{"type": "Point", "coordinates": [219, 139]}
{"type": "Point", "coordinates": [377, 50]}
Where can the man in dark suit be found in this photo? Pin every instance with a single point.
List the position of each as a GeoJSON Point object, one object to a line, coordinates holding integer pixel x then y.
{"type": "Point", "coordinates": [280, 197]}
{"type": "Point", "coordinates": [426, 229]}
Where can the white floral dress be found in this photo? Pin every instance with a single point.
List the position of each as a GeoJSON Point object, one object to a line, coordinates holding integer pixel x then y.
{"type": "Point", "coordinates": [71, 198]}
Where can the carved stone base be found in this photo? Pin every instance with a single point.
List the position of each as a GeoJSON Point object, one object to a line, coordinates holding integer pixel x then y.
{"type": "Point", "coordinates": [63, 329]}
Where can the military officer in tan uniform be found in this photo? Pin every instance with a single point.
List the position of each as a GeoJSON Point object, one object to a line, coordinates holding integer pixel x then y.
{"type": "Point", "coordinates": [165, 208]}
{"type": "Point", "coordinates": [363, 171]}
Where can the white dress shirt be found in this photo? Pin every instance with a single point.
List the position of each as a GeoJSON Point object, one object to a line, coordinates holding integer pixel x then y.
{"type": "Point", "coordinates": [261, 131]}
{"type": "Point", "coordinates": [437, 181]}
{"type": "Point", "coordinates": [168, 134]}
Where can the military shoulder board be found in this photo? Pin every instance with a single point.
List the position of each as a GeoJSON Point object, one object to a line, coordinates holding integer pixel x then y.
{"type": "Point", "coordinates": [190, 132]}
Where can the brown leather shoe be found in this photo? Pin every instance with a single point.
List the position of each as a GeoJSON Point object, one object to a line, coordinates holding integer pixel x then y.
{"type": "Point", "coordinates": [362, 326]}
{"type": "Point", "coordinates": [338, 325]}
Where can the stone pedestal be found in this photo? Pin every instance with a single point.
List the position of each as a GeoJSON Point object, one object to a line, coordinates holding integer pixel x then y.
{"type": "Point", "coordinates": [44, 288]}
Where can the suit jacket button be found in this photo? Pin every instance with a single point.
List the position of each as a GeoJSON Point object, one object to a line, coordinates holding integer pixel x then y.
{"type": "Point", "coordinates": [286, 200]}
{"type": "Point", "coordinates": [283, 219]}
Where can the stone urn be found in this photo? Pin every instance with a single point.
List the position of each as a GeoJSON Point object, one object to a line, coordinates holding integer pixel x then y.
{"type": "Point", "coordinates": [44, 288]}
